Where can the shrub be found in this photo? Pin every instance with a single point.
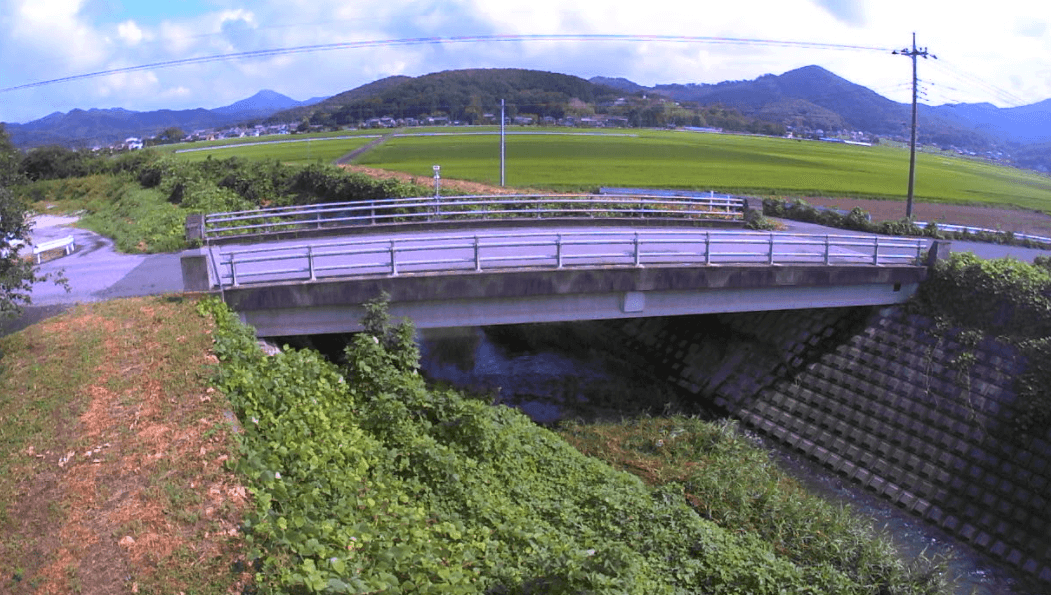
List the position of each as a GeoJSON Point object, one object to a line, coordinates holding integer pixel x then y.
{"type": "Point", "coordinates": [365, 480]}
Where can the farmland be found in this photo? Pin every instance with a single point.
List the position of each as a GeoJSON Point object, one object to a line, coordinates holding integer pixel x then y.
{"type": "Point", "coordinates": [684, 160]}
{"type": "Point", "coordinates": [299, 149]}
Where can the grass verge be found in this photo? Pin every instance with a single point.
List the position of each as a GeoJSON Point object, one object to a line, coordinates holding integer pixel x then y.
{"type": "Point", "coordinates": [112, 451]}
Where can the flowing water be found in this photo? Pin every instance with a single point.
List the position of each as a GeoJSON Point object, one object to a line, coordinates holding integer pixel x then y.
{"type": "Point", "coordinates": [550, 374]}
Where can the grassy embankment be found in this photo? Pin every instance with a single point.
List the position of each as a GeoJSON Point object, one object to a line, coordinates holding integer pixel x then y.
{"type": "Point", "coordinates": [112, 450]}
{"type": "Point", "coordinates": [111, 429]}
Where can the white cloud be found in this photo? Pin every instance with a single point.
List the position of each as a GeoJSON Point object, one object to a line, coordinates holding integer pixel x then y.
{"type": "Point", "coordinates": [1007, 49]}
{"type": "Point", "coordinates": [130, 32]}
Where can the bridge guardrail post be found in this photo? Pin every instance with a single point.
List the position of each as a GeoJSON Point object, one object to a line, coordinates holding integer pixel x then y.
{"type": "Point", "coordinates": [771, 261]}
{"type": "Point", "coordinates": [828, 249]}
{"type": "Point", "coordinates": [875, 251]}
{"type": "Point", "coordinates": [310, 262]}
{"type": "Point", "coordinates": [638, 251]}
{"type": "Point", "coordinates": [707, 247]}
{"type": "Point", "coordinates": [477, 255]}
{"type": "Point", "coordinates": [393, 260]}
{"type": "Point", "coordinates": [233, 271]}
{"type": "Point", "coordinates": [558, 251]}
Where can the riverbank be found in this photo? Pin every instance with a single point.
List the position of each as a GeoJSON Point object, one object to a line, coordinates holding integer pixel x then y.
{"type": "Point", "coordinates": [112, 454]}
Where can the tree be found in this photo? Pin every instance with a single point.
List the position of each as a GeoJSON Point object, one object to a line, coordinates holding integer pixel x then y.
{"type": "Point", "coordinates": [172, 134]}
{"type": "Point", "coordinates": [17, 275]}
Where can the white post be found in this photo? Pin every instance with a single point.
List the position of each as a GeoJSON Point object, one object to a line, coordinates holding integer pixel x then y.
{"type": "Point", "coordinates": [558, 250]}
{"type": "Point", "coordinates": [771, 248]}
{"type": "Point", "coordinates": [638, 252]}
{"type": "Point", "coordinates": [477, 255]}
{"type": "Point", "coordinates": [826, 250]}
{"type": "Point", "coordinates": [393, 261]}
{"type": "Point", "coordinates": [310, 262]}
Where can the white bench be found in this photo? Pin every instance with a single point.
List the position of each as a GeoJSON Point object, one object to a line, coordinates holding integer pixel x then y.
{"type": "Point", "coordinates": [67, 243]}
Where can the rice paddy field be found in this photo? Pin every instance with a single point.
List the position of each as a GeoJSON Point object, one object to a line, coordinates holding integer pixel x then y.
{"type": "Point", "coordinates": [292, 149]}
{"type": "Point", "coordinates": [561, 159]}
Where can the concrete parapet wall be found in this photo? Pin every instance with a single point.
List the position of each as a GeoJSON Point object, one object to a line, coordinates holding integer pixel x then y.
{"type": "Point", "coordinates": [914, 413]}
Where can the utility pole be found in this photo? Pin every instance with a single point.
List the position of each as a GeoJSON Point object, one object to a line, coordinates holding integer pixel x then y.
{"type": "Point", "coordinates": [913, 53]}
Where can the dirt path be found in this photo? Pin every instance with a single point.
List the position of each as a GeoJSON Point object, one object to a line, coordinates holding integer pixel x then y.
{"type": "Point", "coordinates": [461, 186]}
{"type": "Point", "coordinates": [1017, 220]}
{"type": "Point", "coordinates": [371, 145]}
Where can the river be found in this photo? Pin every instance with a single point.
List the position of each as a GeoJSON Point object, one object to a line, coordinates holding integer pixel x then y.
{"type": "Point", "coordinates": [551, 374]}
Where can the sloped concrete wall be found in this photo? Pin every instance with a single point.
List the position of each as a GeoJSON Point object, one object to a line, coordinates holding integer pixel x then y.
{"type": "Point", "coordinates": [914, 413]}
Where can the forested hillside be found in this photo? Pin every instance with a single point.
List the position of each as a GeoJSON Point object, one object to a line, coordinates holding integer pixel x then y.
{"type": "Point", "coordinates": [473, 97]}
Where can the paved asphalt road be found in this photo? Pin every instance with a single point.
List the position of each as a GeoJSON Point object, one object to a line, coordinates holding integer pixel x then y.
{"type": "Point", "coordinates": [95, 271]}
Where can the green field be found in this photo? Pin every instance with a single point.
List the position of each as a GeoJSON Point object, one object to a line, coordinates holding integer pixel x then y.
{"type": "Point", "coordinates": [567, 160]}
{"type": "Point", "coordinates": [293, 149]}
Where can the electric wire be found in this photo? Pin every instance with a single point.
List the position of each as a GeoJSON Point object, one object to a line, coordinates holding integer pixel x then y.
{"type": "Point", "coordinates": [413, 41]}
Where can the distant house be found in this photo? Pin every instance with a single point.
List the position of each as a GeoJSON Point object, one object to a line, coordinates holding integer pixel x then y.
{"type": "Point", "coordinates": [131, 143]}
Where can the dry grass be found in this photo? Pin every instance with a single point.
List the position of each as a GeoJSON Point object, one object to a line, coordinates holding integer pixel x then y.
{"type": "Point", "coordinates": [115, 447]}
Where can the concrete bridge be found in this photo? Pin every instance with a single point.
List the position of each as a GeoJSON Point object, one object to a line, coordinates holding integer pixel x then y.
{"type": "Point", "coordinates": [571, 261]}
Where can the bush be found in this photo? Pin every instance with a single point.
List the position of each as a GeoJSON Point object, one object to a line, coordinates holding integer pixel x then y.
{"type": "Point", "coordinates": [1004, 298]}
{"type": "Point", "coordinates": [364, 480]}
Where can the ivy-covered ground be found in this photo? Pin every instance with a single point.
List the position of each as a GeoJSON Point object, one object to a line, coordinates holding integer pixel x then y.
{"type": "Point", "coordinates": [364, 480]}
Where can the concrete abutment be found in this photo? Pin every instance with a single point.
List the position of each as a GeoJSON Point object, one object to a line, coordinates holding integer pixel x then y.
{"type": "Point", "coordinates": [915, 413]}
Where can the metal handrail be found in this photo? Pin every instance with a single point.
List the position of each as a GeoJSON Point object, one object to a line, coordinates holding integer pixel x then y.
{"type": "Point", "coordinates": [461, 253]}
{"type": "Point", "coordinates": [411, 210]}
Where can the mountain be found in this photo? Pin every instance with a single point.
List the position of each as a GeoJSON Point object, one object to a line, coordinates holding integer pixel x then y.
{"type": "Point", "coordinates": [464, 95]}
{"type": "Point", "coordinates": [85, 128]}
{"type": "Point", "coordinates": [813, 98]}
{"type": "Point", "coordinates": [262, 105]}
{"type": "Point", "coordinates": [619, 83]}
{"type": "Point", "coordinates": [1025, 124]}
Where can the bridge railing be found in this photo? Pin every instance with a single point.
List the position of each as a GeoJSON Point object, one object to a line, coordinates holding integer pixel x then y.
{"type": "Point", "coordinates": [541, 250]}
{"type": "Point", "coordinates": [336, 216]}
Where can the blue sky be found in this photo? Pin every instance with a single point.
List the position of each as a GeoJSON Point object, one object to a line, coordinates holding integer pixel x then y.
{"type": "Point", "coordinates": [1001, 55]}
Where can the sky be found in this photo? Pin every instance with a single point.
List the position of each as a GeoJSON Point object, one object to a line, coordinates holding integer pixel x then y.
{"type": "Point", "coordinates": [996, 52]}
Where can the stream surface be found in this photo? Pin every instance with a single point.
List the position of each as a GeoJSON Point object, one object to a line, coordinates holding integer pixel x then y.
{"type": "Point", "coordinates": [549, 375]}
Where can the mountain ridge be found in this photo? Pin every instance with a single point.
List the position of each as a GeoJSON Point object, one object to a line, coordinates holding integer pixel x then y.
{"type": "Point", "coordinates": [104, 126]}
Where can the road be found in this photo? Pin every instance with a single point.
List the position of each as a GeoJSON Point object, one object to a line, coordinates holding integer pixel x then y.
{"type": "Point", "coordinates": [95, 271]}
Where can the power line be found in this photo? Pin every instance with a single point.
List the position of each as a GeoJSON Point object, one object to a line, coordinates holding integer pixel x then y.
{"type": "Point", "coordinates": [413, 41]}
{"type": "Point", "coordinates": [972, 80]}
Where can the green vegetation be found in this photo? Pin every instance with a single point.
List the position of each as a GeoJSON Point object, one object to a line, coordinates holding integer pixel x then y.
{"type": "Point", "coordinates": [365, 480]}
{"type": "Point", "coordinates": [1006, 299]}
{"type": "Point", "coordinates": [288, 150]}
{"type": "Point", "coordinates": [686, 160]}
{"type": "Point", "coordinates": [726, 478]}
{"type": "Point", "coordinates": [141, 199]}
